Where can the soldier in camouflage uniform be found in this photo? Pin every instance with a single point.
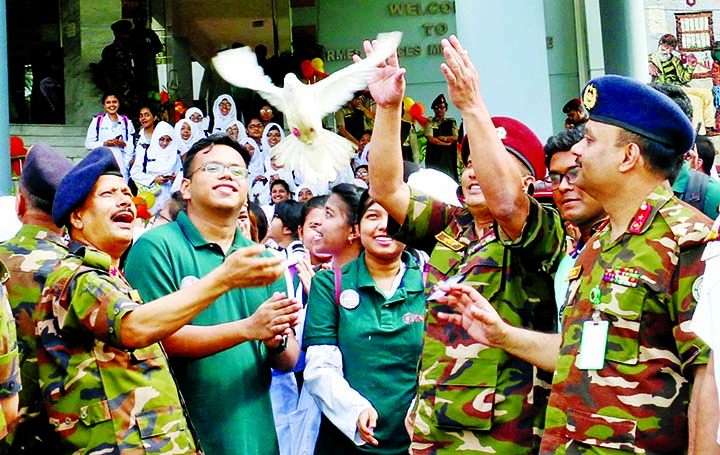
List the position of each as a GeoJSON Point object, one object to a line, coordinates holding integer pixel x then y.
{"type": "Point", "coordinates": [103, 375]}
{"type": "Point", "coordinates": [30, 256]}
{"type": "Point", "coordinates": [474, 398]}
{"type": "Point", "coordinates": [628, 361]}
{"type": "Point", "coordinates": [9, 364]}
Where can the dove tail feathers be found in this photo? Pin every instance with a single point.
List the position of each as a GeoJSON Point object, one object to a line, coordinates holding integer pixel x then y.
{"type": "Point", "coordinates": [318, 162]}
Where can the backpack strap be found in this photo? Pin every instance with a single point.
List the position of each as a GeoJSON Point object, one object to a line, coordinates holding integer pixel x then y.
{"type": "Point", "coordinates": [695, 192]}
{"type": "Point", "coordinates": [97, 126]}
{"type": "Point", "coordinates": [125, 121]}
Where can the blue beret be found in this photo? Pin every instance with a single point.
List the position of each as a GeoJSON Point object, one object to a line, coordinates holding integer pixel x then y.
{"type": "Point", "coordinates": [44, 169]}
{"type": "Point", "coordinates": [636, 107]}
{"type": "Point", "coordinates": [79, 182]}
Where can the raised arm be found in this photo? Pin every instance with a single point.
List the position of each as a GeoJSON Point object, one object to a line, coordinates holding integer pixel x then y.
{"type": "Point", "coordinates": [385, 168]}
{"type": "Point", "coordinates": [495, 169]}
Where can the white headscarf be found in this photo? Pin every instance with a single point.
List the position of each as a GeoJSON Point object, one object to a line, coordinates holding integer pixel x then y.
{"type": "Point", "coordinates": [256, 166]}
{"type": "Point", "coordinates": [184, 145]}
{"type": "Point", "coordinates": [242, 133]}
{"type": "Point", "coordinates": [264, 140]}
{"type": "Point", "coordinates": [162, 161]}
{"type": "Point", "coordinates": [203, 125]}
{"type": "Point", "coordinates": [221, 122]}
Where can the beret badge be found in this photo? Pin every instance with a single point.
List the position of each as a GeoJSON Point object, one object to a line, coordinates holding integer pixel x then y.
{"type": "Point", "coordinates": [590, 96]}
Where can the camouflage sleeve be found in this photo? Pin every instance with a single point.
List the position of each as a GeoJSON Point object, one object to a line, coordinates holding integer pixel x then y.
{"type": "Point", "coordinates": [425, 218]}
{"type": "Point", "coordinates": [684, 292]}
{"type": "Point", "coordinates": [542, 238]}
{"type": "Point", "coordinates": [321, 321]}
{"type": "Point", "coordinates": [9, 358]}
{"type": "Point", "coordinates": [97, 306]}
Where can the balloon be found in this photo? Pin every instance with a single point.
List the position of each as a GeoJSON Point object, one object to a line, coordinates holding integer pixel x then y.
{"type": "Point", "coordinates": [307, 69]}
{"type": "Point", "coordinates": [163, 96]}
{"type": "Point", "coordinates": [318, 64]}
{"type": "Point", "coordinates": [407, 104]}
{"type": "Point", "coordinates": [416, 111]}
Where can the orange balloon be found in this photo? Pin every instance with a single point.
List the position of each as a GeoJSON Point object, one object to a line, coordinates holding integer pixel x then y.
{"type": "Point", "coordinates": [318, 64]}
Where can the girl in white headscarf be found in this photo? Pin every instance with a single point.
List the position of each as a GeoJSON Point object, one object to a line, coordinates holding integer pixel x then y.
{"type": "Point", "coordinates": [187, 134]}
{"type": "Point", "coordinates": [224, 113]}
{"type": "Point", "coordinates": [196, 116]}
{"type": "Point", "coordinates": [237, 130]}
{"type": "Point", "coordinates": [158, 166]}
{"type": "Point", "coordinates": [271, 136]}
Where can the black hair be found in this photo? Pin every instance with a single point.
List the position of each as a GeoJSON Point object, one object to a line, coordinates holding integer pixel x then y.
{"type": "Point", "coordinates": [563, 142]}
{"type": "Point", "coordinates": [316, 202]}
{"type": "Point", "coordinates": [350, 195]}
{"type": "Point", "coordinates": [289, 213]}
{"type": "Point", "coordinates": [660, 159]}
{"type": "Point", "coordinates": [152, 107]}
{"type": "Point", "coordinates": [365, 202]}
{"type": "Point", "coordinates": [280, 182]}
{"type": "Point", "coordinates": [706, 152]}
{"type": "Point", "coordinates": [675, 93]}
{"type": "Point", "coordinates": [208, 142]}
{"type": "Point", "coordinates": [176, 204]}
{"type": "Point", "coordinates": [260, 219]}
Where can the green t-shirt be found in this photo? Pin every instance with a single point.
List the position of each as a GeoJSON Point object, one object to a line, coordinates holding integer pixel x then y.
{"type": "Point", "coordinates": [712, 191]}
{"type": "Point", "coordinates": [227, 394]}
{"type": "Point", "coordinates": [380, 340]}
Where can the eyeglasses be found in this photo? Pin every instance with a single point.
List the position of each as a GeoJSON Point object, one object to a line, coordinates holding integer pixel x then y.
{"type": "Point", "coordinates": [266, 111]}
{"type": "Point", "coordinates": [556, 178]}
{"type": "Point", "coordinates": [218, 168]}
{"type": "Point", "coordinates": [441, 106]}
{"type": "Point", "coordinates": [225, 104]}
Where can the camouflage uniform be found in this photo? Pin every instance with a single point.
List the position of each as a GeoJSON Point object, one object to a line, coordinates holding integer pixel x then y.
{"type": "Point", "coordinates": [9, 366]}
{"type": "Point", "coordinates": [30, 257]}
{"type": "Point", "coordinates": [472, 397]}
{"type": "Point", "coordinates": [642, 283]}
{"type": "Point", "coordinates": [101, 396]}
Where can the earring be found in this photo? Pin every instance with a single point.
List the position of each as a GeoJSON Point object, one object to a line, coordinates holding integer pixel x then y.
{"type": "Point", "coordinates": [350, 239]}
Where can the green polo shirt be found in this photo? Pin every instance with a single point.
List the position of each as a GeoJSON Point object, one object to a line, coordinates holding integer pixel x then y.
{"type": "Point", "coordinates": [227, 393]}
{"type": "Point", "coordinates": [712, 191]}
{"type": "Point", "coordinates": [380, 340]}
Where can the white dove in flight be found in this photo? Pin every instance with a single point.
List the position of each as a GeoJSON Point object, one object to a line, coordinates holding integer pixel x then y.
{"type": "Point", "coordinates": [311, 150]}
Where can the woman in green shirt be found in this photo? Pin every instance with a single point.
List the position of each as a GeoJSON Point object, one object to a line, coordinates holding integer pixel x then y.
{"type": "Point", "coordinates": [363, 337]}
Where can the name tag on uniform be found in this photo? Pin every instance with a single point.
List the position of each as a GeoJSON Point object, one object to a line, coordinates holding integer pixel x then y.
{"type": "Point", "coordinates": [592, 345]}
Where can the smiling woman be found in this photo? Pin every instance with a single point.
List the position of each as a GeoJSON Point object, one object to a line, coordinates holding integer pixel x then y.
{"type": "Point", "coordinates": [375, 304]}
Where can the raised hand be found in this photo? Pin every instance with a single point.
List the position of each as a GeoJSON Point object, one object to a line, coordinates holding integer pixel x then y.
{"type": "Point", "coordinates": [274, 318]}
{"type": "Point", "coordinates": [244, 268]}
{"type": "Point", "coordinates": [387, 86]}
{"type": "Point", "coordinates": [461, 76]}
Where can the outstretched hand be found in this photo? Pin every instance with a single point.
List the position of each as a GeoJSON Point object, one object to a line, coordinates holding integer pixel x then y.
{"type": "Point", "coordinates": [461, 76]}
{"type": "Point", "coordinates": [367, 420]}
{"type": "Point", "coordinates": [387, 86]}
{"type": "Point", "coordinates": [476, 315]}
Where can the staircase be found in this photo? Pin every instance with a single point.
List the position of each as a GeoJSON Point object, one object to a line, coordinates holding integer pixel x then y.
{"type": "Point", "coordinates": [67, 140]}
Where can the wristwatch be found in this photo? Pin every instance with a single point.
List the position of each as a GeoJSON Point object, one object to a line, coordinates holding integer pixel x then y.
{"type": "Point", "coordinates": [280, 348]}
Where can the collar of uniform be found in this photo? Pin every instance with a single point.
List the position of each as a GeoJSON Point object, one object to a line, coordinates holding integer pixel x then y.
{"type": "Point", "coordinates": [41, 233]}
{"type": "Point", "coordinates": [648, 210]}
{"type": "Point", "coordinates": [364, 279]}
{"type": "Point", "coordinates": [198, 241]}
{"type": "Point", "coordinates": [90, 256]}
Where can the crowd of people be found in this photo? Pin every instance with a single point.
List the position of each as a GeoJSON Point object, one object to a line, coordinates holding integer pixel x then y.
{"type": "Point", "coordinates": [381, 313]}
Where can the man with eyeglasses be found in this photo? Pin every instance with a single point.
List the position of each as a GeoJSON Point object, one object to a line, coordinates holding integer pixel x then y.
{"type": "Point", "coordinates": [223, 357]}
{"type": "Point", "coordinates": [582, 214]}
{"type": "Point", "coordinates": [442, 135]}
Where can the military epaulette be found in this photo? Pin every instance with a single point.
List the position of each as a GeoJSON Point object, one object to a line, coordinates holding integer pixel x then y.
{"type": "Point", "coordinates": [641, 218]}
{"type": "Point", "coordinates": [450, 242]}
{"type": "Point", "coordinates": [96, 259]}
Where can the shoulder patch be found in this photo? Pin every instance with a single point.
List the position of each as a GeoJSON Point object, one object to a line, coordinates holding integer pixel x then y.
{"type": "Point", "coordinates": [449, 241]}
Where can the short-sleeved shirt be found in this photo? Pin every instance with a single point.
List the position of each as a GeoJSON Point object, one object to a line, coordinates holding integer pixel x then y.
{"type": "Point", "coordinates": [380, 340]}
{"type": "Point", "coordinates": [100, 395]}
{"type": "Point", "coordinates": [30, 256]}
{"type": "Point", "coordinates": [227, 393]}
{"type": "Point", "coordinates": [711, 206]}
{"type": "Point", "coordinates": [470, 395]}
{"type": "Point", "coordinates": [642, 284]}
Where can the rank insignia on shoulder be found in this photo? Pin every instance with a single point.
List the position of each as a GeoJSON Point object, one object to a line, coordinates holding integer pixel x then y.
{"type": "Point", "coordinates": [713, 235]}
{"type": "Point", "coordinates": [447, 240]}
{"type": "Point", "coordinates": [624, 276]}
{"type": "Point", "coordinates": [135, 296]}
{"type": "Point", "coordinates": [574, 273]}
{"type": "Point", "coordinates": [641, 218]}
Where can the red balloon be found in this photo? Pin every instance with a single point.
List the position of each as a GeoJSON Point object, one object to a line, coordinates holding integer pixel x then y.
{"type": "Point", "coordinates": [307, 69]}
{"type": "Point", "coordinates": [18, 152]}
